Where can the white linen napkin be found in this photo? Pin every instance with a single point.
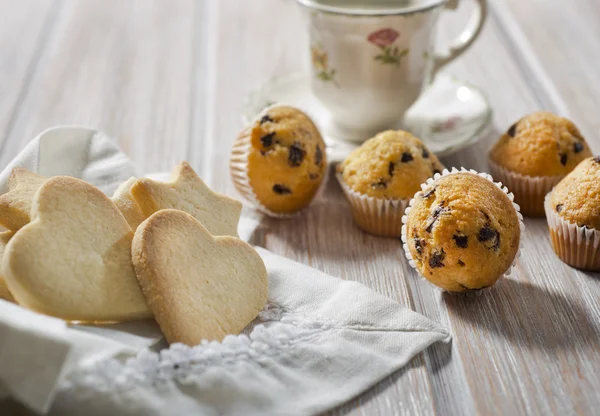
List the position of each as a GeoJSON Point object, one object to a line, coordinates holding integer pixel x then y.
{"type": "Point", "coordinates": [319, 341]}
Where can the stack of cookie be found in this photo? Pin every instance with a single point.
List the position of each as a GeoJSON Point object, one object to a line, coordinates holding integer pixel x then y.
{"type": "Point", "coordinates": [163, 249]}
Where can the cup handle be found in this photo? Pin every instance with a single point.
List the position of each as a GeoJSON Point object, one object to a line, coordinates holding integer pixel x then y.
{"type": "Point", "coordinates": [461, 43]}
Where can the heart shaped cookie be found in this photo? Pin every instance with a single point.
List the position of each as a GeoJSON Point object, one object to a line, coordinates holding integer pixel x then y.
{"type": "Point", "coordinates": [15, 205]}
{"type": "Point", "coordinates": [73, 260]}
{"type": "Point", "coordinates": [187, 192]}
{"type": "Point", "coordinates": [127, 205]}
{"type": "Point", "coordinates": [198, 286]}
{"type": "Point", "coordinates": [5, 237]}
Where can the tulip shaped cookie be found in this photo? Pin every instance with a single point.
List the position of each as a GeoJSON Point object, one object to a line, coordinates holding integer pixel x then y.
{"type": "Point", "coordinates": [127, 205]}
{"type": "Point", "coordinates": [4, 292]}
{"type": "Point", "coordinates": [198, 286]}
{"type": "Point", "coordinates": [187, 192]}
{"type": "Point", "coordinates": [15, 205]}
{"type": "Point", "coordinates": [73, 260]}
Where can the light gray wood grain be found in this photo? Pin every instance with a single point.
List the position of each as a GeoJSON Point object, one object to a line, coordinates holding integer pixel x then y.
{"type": "Point", "coordinates": [124, 68]}
{"type": "Point", "coordinates": [30, 22]}
{"type": "Point", "coordinates": [168, 79]}
{"type": "Point", "coordinates": [565, 48]}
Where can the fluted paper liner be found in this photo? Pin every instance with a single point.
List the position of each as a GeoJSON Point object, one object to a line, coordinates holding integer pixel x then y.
{"type": "Point", "coordinates": [429, 182]}
{"type": "Point", "coordinates": [378, 216]}
{"type": "Point", "coordinates": [238, 167]}
{"type": "Point", "coordinates": [577, 246]}
{"type": "Point", "coordinates": [529, 191]}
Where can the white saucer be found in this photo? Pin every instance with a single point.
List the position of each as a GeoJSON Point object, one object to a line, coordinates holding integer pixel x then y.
{"type": "Point", "coordinates": [449, 116]}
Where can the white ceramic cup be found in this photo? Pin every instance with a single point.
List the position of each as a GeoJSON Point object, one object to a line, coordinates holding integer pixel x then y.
{"type": "Point", "coordinates": [370, 64]}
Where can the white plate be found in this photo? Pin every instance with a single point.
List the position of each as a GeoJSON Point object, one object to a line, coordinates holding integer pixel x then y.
{"type": "Point", "coordinates": [449, 116]}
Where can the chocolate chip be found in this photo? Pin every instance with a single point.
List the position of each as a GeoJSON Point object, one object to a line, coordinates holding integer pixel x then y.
{"type": "Point", "coordinates": [406, 157]}
{"type": "Point", "coordinates": [435, 215]}
{"type": "Point", "coordinates": [267, 139]}
{"type": "Point", "coordinates": [461, 263]}
{"type": "Point", "coordinates": [597, 159]}
{"type": "Point", "coordinates": [381, 184]}
{"type": "Point", "coordinates": [419, 244]}
{"type": "Point", "coordinates": [428, 193]}
{"type": "Point", "coordinates": [265, 118]}
{"type": "Point", "coordinates": [296, 155]}
{"type": "Point", "coordinates": [436, 259]}
{"type": "Point", "coordinates": [559, 207]}
{"type": "Point", "coordinates": [512, 130]}
{"type": "Point", "coordinates": [391, 168]}
{"type": "Point", "coordinates": [281, 190]}
{"type": "Point", "coordinates": [563, 159]}
{"type": "Point", "coordinates": [318, 156]}
{"type": "Point", "coordinates": [487, 217]}
{"type": "Point", "coordinates": [577, 147]}
{"type": "Point", "coordinates": [462, 241]}
{"type": "Point", "coordinates": [488, 234]}
{"type": "Point", "coordinates": [425, 153]}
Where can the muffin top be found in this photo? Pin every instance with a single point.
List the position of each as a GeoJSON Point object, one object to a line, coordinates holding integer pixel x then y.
{"type": "Point", "coordinates": [541, 144]}
{"type": "Point", "coordinates": [286, 160]}
{"type": "Point", "coordinates": [391, 165]}
{"type": "Point", "coordinates": [577, 197]}
{"type": "Point", "coordinates": [463, 232]}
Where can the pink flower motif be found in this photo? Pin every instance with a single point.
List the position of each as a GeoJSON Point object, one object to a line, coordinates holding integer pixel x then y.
{"type": "Point", "coordinates": [451, 123]}
{"type": "Point", "coordinates": [383, 37]}
{"type": "Point", "coordinates": [447, 125]}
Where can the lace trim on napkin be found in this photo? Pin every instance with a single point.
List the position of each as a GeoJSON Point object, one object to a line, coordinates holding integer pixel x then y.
{"type": "Point", "coordinates": [276, 331]}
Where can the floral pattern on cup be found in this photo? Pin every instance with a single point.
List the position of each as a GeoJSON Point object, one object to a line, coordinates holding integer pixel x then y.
{"type": "Point", "coordinates": [320, 63]}
{"type": "Point", "coordinates": [447, 125]}
{"type": "Point", "coordinates": [384, 40]}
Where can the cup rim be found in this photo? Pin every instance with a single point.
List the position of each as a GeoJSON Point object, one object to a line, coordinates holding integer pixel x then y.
{"type": "Point", "coordinates": [424, 6]}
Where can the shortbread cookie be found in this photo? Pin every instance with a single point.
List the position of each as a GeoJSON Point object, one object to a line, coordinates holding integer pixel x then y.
{"type": "Point", "coordinates": [187, 192]}
{"type": "Point", "coordinates": [127, 205]}
{"type": "Point", "coordinates": [4, 292]}
{"type": "Point", "coordinates": [73, 260]}
{"type": "Point", "coordinates": [15, 205]}
{"type": "Point", "coordinates": [198, 286]}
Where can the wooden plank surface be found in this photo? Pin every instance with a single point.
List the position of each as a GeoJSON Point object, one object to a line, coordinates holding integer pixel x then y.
{"type": "Point", "coordinates": [168, 79]}
{"type": "Point", "coordinates": [122, 67]}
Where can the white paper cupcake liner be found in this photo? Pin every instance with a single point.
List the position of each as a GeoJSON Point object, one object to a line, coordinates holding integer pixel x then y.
{"type": "Point", "coordinates": [238, 167]}
{"type": "Point", "coordinates": [576, 246]}
{"type": "Point", "coordinates": [378, 216]}
{"type": "Point", "coordinates": [529, 191]}
{"type": "Point", "coordinates": [429, 182]}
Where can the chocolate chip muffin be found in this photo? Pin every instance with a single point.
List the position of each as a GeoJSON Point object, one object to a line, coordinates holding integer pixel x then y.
{"type": "Point", "coordinates": [391, 165]}
{"type": "Point", "coordinates": [462, 232]}
{"type": "Point", "coordinates": [279, 162]}
{"type": "Point", "coordinates": [534, 154]}
{"type": "Point", "coordinates": [573, 212]}
{"type": "Point", "coordinates": [382, 175]}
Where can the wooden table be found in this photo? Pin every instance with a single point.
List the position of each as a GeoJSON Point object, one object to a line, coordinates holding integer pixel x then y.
{"type": "Point", "coordinates": [168, 78]}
